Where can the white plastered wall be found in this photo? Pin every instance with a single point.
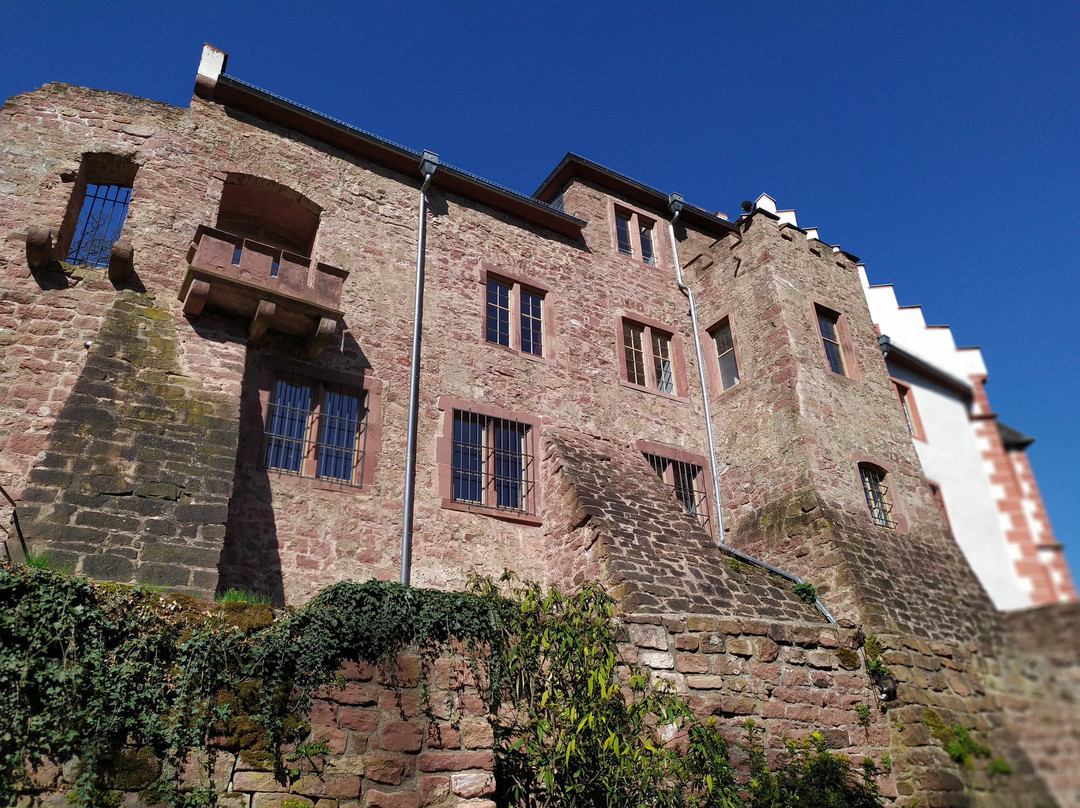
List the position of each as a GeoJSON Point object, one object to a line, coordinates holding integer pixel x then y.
{"type": "Point", "coordinates": [952, 455]}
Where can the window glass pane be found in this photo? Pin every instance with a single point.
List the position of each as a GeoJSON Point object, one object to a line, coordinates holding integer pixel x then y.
{"type": "Point", "coordinates": [646, 245]}
{"type": "Point", "coordinates": [498, 313]}
{"type": "Point", "coordinates": [661, 347]}
{"type": "Point", "coordinates": [830, 337]}
{"type": "Point", "coordinates": [635, 353]}
{"type": "Point", "coordinates": [286, 426]}
{"type": "Point", "coordinates": [339, 425]}
{"type": "Point", "coordinates": [622, 234]}
{"type": "Point", "coordinates": [467, 461]}
{"type": "Point", "coordinates": [685, 489]}
{"type": "Point", "coordinates": [101, 218]}
{"type": "Point", "coordinates": [531, 323]}
{"type": "Point", "coordinates": [725, 354]}
{"type": "Point", "coordinates": [508, 438]}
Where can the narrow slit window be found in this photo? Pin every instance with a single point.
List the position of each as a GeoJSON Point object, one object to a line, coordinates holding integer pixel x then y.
{"type": "Point", "coordinates": [829, 326]}
{"type": "Point", "coordinates": [877, 496]}
{"type": "Point", "coordinates": [725, 355]}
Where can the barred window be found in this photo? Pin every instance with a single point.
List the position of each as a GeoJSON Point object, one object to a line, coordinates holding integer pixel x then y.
{"type": "Point", "coordinates": [877, 495]}
{"type": "Point", "coordinates": [514, 316]}
{"type": "Point", "coordinates": [725, 354]}
{"type": "Point", "coordinates": [687, 481]}
{"type": "Point", "coordinates": [315, 429]}
{"type": "Point", "coordinates": [655, 369]}
{"type": "Point", "coordinates": [493, 462]}
{"type": "Point", "coordinates": [101, 218]}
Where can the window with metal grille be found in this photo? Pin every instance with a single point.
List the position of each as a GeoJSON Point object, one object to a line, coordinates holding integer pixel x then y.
{"type": "Point", "coordinates": [725, 354]}
{"type": "Point", "coordinates": [829, 325]}
{"type": "Point", "coordinates": [101, 218]}
{"type": "Point", "coordinates": [493, 462]}
{"type": "Point", "coordinates": [877, 495]}
{"type": "Point", "coordinates": [514, 316]}
{"type": "Point", "coordinates": [634, 235]}
{"type": "Point", "coordinates": [655, 370]}
{"type": "Point", "coordinates": [315, 429]}
{"type": "Point", "coordinates": [687, 481]}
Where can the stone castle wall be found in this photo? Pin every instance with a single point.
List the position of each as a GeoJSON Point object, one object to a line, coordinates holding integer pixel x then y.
{"type": "Point", "coordinates": [130, 432]}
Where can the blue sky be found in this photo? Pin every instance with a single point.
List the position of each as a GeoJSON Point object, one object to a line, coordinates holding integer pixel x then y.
{"type": "Point", "coordinates": [938, 141]}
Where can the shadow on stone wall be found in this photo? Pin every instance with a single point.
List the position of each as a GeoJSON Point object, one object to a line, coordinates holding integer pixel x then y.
{"type": "Point", "coordinates": [134, 481]}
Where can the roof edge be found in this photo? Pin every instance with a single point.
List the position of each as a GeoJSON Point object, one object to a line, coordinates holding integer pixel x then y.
{"type": "Point", "coordinates": [231, 91]}
{"type": "Point", "coordinates": [574, 165]}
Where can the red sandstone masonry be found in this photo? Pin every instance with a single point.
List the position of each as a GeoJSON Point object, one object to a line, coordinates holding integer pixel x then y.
{"type": "Point", "coordinates": [379, 757]}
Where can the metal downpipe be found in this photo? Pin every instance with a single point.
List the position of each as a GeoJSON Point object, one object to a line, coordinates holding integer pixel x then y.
{"type": "Point", "coordinates": [429, 161]}
{"type": "Point", "coordinates": [675, 204]}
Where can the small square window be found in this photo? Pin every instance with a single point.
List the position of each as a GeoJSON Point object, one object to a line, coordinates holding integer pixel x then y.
{"type": "Point", "coordinates": [649, 357]}
{"type": "Point", "coordinates": [493, 462]}
{"type": "Point", "coordinates": [725, 354]}
{"type": "Point", "coordinates": [314, 429]}
{"type": "Point", "coordinates": [687, 481]}
{"type": "Point", "coordinates": [829, 326]}
{"type": "Point", "coordinates": [101, 218]}
{"type": "Point", "coordinates": [877, 495]}
{"type": "Point", "coordinates": [514, 316]}
{"type": "Point", "coordinates": [634, 235]}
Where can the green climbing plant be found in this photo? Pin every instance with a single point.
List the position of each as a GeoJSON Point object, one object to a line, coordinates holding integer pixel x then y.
{"type": "Point", "coordinates": [133, 682]}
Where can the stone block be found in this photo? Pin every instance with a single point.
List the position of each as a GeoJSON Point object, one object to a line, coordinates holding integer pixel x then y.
{"type": "Point", "coordinates": [472, 784]}
{"type": "Point", "coordinates": [391, 799]}
{"type": "Point", "coordinates": [400, 736]}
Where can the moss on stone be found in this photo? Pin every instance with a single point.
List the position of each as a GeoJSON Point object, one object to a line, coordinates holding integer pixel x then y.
{"type": "Point", "coordinates": [849, 659]}
{"type": "Point", "coordinates": [135, 768]}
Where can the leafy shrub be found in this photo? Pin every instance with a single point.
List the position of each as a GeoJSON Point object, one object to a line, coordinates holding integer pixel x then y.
{"type": "Point", "coordinates": [805, 591]}
{"type": "Point", "coordinates": [87, 669]}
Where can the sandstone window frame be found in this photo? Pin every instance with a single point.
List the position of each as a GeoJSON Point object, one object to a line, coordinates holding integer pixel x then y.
{"type": "Point", "coordinates": [906, 398]}
{"type": "Point", "coordinates": [472, 473]}
{"type": "Point", "coordinates": [321, 380]}
{"type": "Point", "coordinates": [635, 233]}
{"type": "Point", "coordinates": [686, 475]}
{"type": "Point", "coordinates": [518, 288]}
{"type": "Point", "coordinates": [733, 358]}
{"type": "Point", "coordinates": [879, 500]}
{"type": "Point", "coordinates": [834, 339]}
{"type": "Point", "coordinates": [649, 374]}
{"type": "Point", "coordinates": [83, 215]}
{"type": "Point", "coordinates": [939, 501]}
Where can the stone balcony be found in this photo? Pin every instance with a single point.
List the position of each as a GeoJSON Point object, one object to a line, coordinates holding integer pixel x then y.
{"type": "Point", "coordinates": [271, 288]}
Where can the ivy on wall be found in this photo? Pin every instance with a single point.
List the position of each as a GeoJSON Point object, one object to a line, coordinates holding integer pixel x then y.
{"type": "Point", "coordinates": [89, 669]}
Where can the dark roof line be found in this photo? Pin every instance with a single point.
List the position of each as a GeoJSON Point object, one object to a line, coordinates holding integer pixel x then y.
{"type": "Point", "coordinates": [231, 90]}
{"type": "Point", "coordinates": [1013, 438]}
{"type": "Point", "coordinates": [575, 165]}
{"type": "Point", "coordinates": [890, 350]}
